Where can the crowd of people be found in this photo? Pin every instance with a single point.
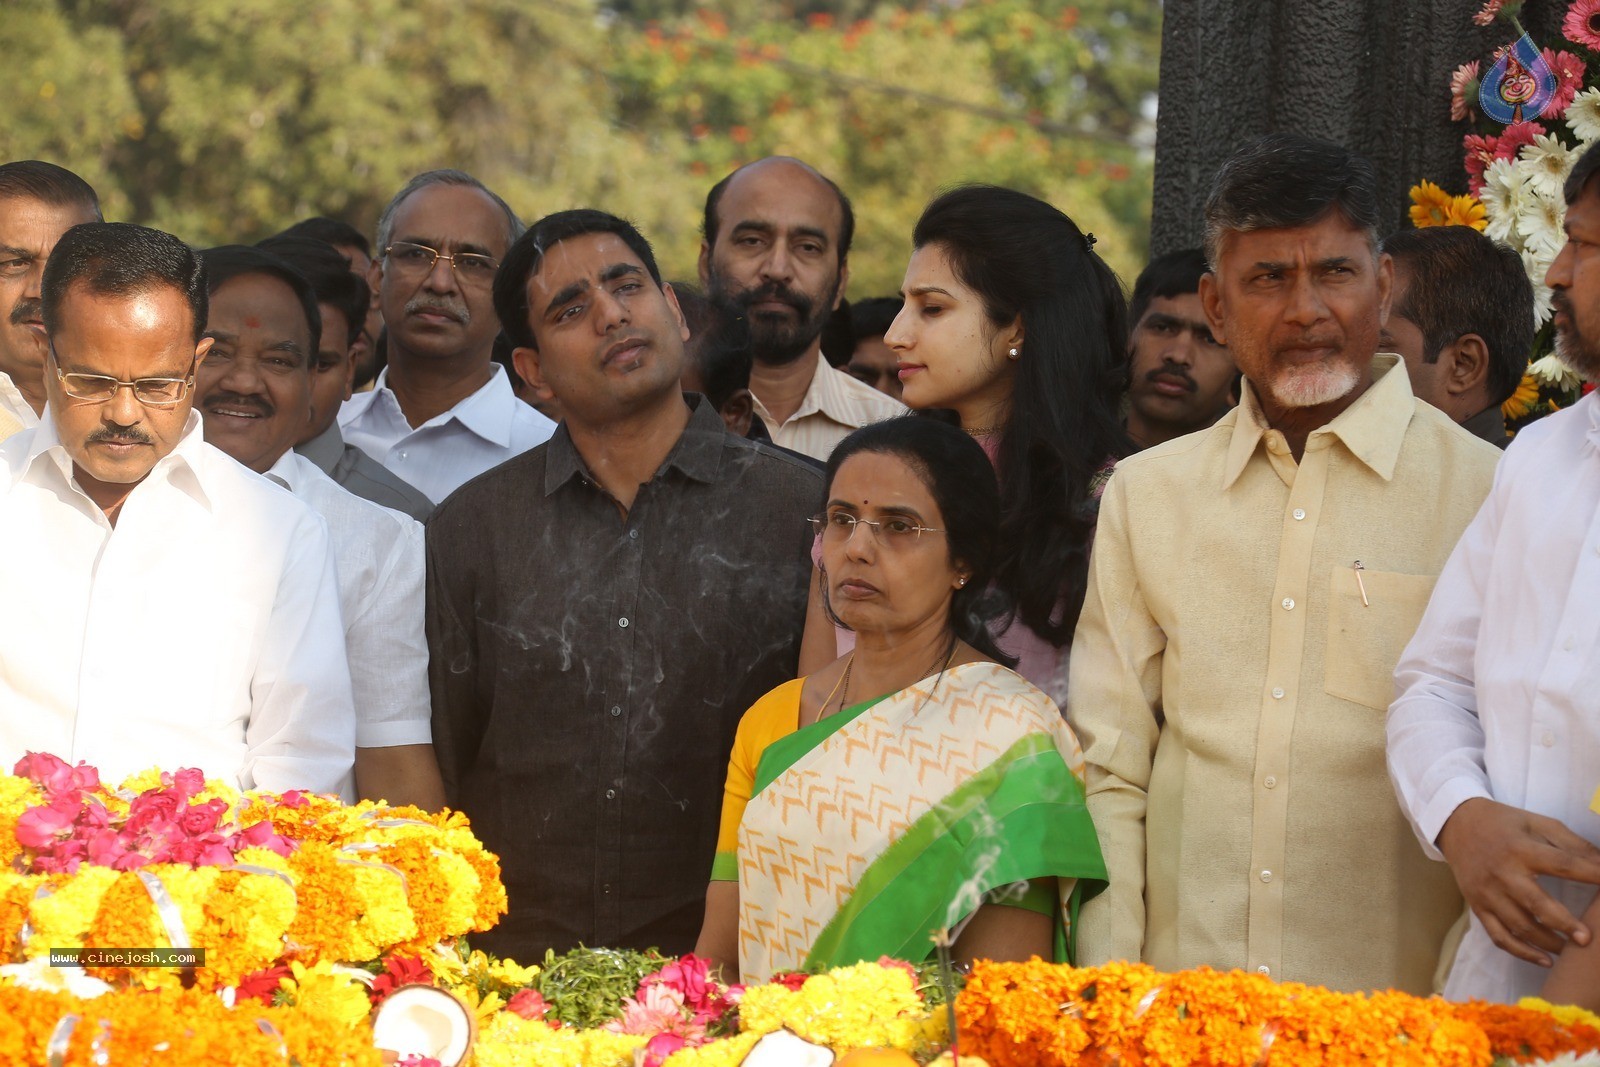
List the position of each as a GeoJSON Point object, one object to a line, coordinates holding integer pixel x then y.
{"type": "Point", "coordinates": [1211, 624]}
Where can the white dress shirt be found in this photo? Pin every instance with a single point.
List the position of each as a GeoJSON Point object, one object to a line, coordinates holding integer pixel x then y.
{"type": "Point", "coordinates": [449, 450]}
{"type": "Point", "coordinates": [15, 404]}
{"type": "Point", "coordinates": [202, 630]}
{"type": "Point", "coordinates": [835, 406]}
{"type": "Point", "coordinates": [1499, 691]}
{"type": "Point", "coordinates": [379, 557]}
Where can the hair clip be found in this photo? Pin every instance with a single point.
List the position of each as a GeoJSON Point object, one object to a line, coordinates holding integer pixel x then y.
{"type": "Point", "coordinates": [1088, 242]}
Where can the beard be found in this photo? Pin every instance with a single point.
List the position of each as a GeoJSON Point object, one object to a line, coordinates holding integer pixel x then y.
{"type": "Point", "coordinates": [1578, 352]}
{"type": "Point", "coordinates": [776, 340]}
{"type": "Point", "coordinates": [1315, 385]}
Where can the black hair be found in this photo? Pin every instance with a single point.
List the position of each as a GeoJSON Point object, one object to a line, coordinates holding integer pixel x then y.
{"type": "Point", "coordinates": [330, 276]}
{"type": "Point", "coordinates": [1284, 180]}
{"type": "Point", "coordinates": [838, 335]}
{"type": "Point", "coordinates": [1578, 177]}
{"type": "Point", "coordinates": [35, 179]}
{"type": "Point", "coordinates": [1462, 282]}
{"type": "Point", "coordinates": [718, 346]}
{"type": "Point", "coordinates": [227, 262]}
{"type": "Point", "coordinates": [525, 257]}
{"type": "Point", "coordinates": [1026, 259]}
{"type": "Point", "coordinates": [428, 179]}
{"type": "Point", "coordinates": [1174, 274]}
{"type": "Point", "coordinates": [847, 216]}
{"type": "Point", "coordinates": [958, 475]}
{"type": "Point", "coordinates": [330, 231]}
{"type": "Point", "coordinates": [873, 316]}
{"type": "Point", "coordinates": [121, 259]}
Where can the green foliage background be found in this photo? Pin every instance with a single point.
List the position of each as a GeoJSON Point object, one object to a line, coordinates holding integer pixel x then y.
{"type": "Point", "coordinates": [225, 120]}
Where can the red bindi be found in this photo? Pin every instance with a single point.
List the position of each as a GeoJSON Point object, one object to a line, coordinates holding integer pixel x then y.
{"type": "Point", "coordinates": [252, 322]}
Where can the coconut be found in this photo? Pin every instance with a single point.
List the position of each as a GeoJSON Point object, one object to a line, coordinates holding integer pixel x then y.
{"type": "Point", "coordinates": [419, 1020]}
{"type": "Point", "coordinates": [785, 1048]}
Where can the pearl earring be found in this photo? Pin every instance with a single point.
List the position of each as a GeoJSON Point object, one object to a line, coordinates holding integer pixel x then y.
{"type": "Point", "coordinates": [1013, 353]}
{"type": "Point", "coordinates": [962, 582]}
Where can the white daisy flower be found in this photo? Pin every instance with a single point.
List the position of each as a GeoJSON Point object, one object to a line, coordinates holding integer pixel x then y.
{"type": "Point", "coordinates": [1505, 192]}
{"type": "Point", "coordinates": [1552, 372]}
{"type": "Point", "coordinates": [1537, 266]}
{"type": "Point", "coordinates": [1549, 162]}
{"type": "Point", "coordinates": [1540, 219]}
{"type": "Point", "coordinates": [1583, 116]}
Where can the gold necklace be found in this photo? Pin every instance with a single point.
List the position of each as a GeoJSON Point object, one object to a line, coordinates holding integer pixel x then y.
{"type": "Point", "coordinates": [984, 431]}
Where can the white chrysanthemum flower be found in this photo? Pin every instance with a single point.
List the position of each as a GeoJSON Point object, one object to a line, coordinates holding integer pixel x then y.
{"type": "Point", "coordinates": [1537, 266]}
{"type": "Point", "coordinates": [1549, 162]}
{"type": "Point", "coordinates": [1505, 192]}
{"type": "Point", "coordinates": [39, 976]}
{"type": "Point", "coordinates": [1569, 1059]}
{"type": "Point", "coordinates": [1583, 116]}
{"type": "Point", "coordinates": [1540, 220]}
{"type": "Point", "coordinates": [1550, 371]}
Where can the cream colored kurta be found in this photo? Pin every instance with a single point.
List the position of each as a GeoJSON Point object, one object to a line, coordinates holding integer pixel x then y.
{"type": "Point", "coordinates": [1229, 684]}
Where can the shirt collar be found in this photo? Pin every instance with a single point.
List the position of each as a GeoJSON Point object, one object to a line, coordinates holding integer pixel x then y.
{"type": "Point", "coordinates": [490, 412]}
{"type": "Point", "coordinates": [287, 472]}
{"type": "Point", "coordinates": [185, 468]}
{"type": "Point", "coordinates": [1373, 428]}
{"type": "Point", "coordinates": [326, 449]}
{"type": "Point", "coordinates": [824, 395]}
{"type": "Point", "coordinates": [697, 453]}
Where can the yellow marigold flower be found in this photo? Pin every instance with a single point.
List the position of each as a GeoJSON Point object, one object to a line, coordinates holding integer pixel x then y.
{"type": "Point", "coordinates": [1564, 1013]}
{"type": "Point", "coordinates": [339, 999]}
{"type": "Point", "coordinates": [509, 1040]}
{"type": "Point", "coordinates": [1524, 400]}
{"type": "Point", "coordinates": [728, 1052]}
{"type": "Point", "coordinates": [512, 973]}
{"type": "Point", "coordinates": [1430, 205]}
{"type": "Point", "coordinates": [861, 1006]}
{"type": "Point", "coordinates": [62, 918]}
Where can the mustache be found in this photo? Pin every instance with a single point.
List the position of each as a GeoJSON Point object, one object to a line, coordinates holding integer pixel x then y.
{"type": "Point", "coordinates": [1173, 370]}
{"type": "Point", "coordinates": [456, 309]}
{"type": "Point", "coordinates": [26, 310]}
{"type": "Point", "coordinates": [118, 435]}
{"type": "Point", "coordinates": [237, 400]}
{"type": "Point", "coordinates": [1560, 301]}
{"type": "Point", "coordinates": [779, 292]}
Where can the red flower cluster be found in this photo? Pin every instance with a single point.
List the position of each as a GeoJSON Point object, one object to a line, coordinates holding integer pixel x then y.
{"type": "Point", "coordinates": [399, 971]}
{"type": "Point", "coordinates": [164, 825]}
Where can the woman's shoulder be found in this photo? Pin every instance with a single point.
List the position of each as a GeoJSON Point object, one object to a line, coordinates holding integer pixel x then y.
{"type": "Point", "coordinates": [1003, 691]}
{"type": "Point", "coordinates": [776, 713]}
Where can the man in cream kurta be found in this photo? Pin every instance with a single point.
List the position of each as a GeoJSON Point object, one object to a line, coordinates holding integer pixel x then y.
{"type": "Point", "coordinates": [1252, 586]}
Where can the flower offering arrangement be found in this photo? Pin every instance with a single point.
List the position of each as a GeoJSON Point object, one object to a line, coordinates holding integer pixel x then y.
{"type": "Point", "coordinates": [1533, 112]}
{"type": "Point", "coordinates": [329, 930]}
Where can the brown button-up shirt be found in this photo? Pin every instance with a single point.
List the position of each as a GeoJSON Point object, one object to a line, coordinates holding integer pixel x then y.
{"type": "Point", "coordinates": [589, 671]}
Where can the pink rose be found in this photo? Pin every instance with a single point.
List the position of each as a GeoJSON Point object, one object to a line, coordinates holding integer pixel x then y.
{"type": "Point", "coordinates": [260, 835]}
{"type": "Point", "coordinates": [189, 781]}
{"type": "Point", "coordinates": [690, 976]}
{"type": "Point", "coordinates": [48, 772]}
{"type": "Point", "coordinates": [202, 818]}
{"type": "Point", "coordinates": [528, 1003]}
{"type": "Point", "coordinates": [45, 825]}
{"type": "Point", "coordinates": [658, 1048]}
{"type": "Point", "coordinates": [294, 798]}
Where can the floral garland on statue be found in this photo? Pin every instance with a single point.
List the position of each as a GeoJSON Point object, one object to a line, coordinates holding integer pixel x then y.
{"type": "Point", "coordinates": [1515, 172]}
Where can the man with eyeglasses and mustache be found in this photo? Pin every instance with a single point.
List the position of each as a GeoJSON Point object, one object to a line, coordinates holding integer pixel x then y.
{"type": "Point", "coordinates": [180, 610]}
{"type": "Point", "coordinates": [38, 203]}
{"type": "Point", "coordinates": [776, 252]}
{"type": "Point", "coordinates": [442, 411]}
{"type": "Point", "coordinates": [1183, 379]}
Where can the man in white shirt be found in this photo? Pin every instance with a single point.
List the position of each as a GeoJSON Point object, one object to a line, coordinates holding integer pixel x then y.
{"type": "Point", "coordinates": [38, 203]}
{"type": "Point", "coordinates": [443, 411]}
{"type": "Point", "coordinates": [166, 607]}
{"type": "Point", "coordinates": [776, 252]}
{"type": "Point", "coordinates": [254, 392]}
{"type": "Point", "coordinates": [342, 299]}
{"type": "Point", "coordinates": [1494, 739]}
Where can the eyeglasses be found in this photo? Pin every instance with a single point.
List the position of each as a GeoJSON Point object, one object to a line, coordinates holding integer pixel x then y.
{"type": "Point", "coordinates": [418, 260]}
{"type": "Point", "coordinates": [839, 526]}
{"type": "Point", "coordinates": [99, 388]}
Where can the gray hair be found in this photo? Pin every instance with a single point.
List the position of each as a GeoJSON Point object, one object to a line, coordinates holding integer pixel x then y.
{"type": "Point", "coordinates": [1284, 180]}
{"type": "Point", "coordinates": [514, 225]}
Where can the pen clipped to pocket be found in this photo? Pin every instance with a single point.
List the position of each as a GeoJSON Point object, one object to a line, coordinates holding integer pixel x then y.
{"type": "Point", "coordinates": [1362, 586]}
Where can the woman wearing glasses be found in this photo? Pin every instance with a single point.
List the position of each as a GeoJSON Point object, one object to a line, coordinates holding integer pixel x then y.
{"type": "Point", "coordinates": [915, 786]}
{"type": "Point", "coordinates": [1013, 326]}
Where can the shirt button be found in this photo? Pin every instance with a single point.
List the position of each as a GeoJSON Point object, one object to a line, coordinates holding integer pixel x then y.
{"type": "Point", "coordinates": [1264, 969]}
{"type": "Point", "coordinates": [606, 889]}
{"type": "Point", "coordinates": [1299, 513]}
{"type": "Point", "coordinates": [1270, 782]}
{"type": "Point", "coordinates": [1568, 645]}
{"type": "Point", "coordinates": [615, 711]}
{"type": "Point", "coordinates": [611, 794]}
{"type": "Point", "coordinates": [401, 454]}
{"type": "Point", "coordinates": [1277, 693]}
{"type": "Point", "coordinates": [1266, 876]}
{"type": "Point", "coordinates": [1548, 740]}
{"type": "Point", "coordinates": [1288, 603]}
{"type": "Point", "coordinates": [622, 623]}
{"type": "Point", "coordinates": [633, 535]}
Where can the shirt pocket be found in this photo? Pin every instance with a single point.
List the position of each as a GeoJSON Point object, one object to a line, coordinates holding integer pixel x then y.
{"type": "Point", "coordinates": [1366, 637]}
